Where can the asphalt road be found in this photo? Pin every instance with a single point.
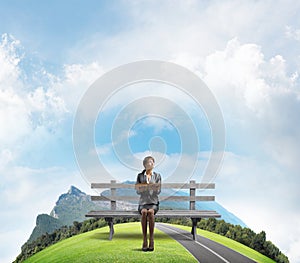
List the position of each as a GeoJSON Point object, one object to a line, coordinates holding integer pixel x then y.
{"type": "Point", "coordinates": [204, 250]}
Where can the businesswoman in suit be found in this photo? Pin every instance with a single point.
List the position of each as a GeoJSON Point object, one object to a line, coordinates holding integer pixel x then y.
{"type": "Point", "coordinates": [148, 186]}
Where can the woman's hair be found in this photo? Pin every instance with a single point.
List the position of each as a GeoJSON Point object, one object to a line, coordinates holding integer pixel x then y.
{"type": "Point", "coordinates": [146, 160]}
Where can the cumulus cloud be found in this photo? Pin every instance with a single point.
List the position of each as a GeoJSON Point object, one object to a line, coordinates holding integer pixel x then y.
{"type": "Point", "coordinates": [257, 93]}
{"type": "Point", "coordinates": [260, 95]}
{"type": "Point", "coordinates": [292, 33]}
{"type": "Point", "coordinates": [235, 72]}
{"type": "Point", "coordinates": [187, 32]}
{"type": "Point", "coordinates": [22, 110]}
{"type": "Point", "coordinates": [9, 60]}
{"type": "Point", "coordinates": [75, 80]}
{"type": "Point", "coordinates": [35, 114]}
{"type": "Point", "coordinates": [15, 121]}
{"type": "Point", "coordinates": [260, 102]}
{"type": "Point", "coordinates": [35, 131]}
{"type": "Point", "coordinates": [263, 196]}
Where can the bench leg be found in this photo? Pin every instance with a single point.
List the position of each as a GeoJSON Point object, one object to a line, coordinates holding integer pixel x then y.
{"type": "Point", "coordinates": [110, 222]}
{"type": "Point", "coordinates": [194, 228]}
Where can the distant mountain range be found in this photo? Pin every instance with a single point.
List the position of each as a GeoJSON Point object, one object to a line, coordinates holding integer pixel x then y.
{"type": "Point", "coordinates": [73, 205]}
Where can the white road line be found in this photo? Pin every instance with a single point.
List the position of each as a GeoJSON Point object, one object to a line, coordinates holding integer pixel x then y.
{"type": "Point", "coordinates": [210, 250]}
{"type": "Point", "coordinates": [215, 253]}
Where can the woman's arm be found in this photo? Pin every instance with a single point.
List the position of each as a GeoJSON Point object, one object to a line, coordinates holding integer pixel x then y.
{"type": "Point", "coordinates": [140, 187]}
{"type": "Point", "coordinates": [157, 188]}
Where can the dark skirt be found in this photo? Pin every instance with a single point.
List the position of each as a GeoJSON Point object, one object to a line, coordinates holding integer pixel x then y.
{"type": "Point", "coordinates": [155, 207]}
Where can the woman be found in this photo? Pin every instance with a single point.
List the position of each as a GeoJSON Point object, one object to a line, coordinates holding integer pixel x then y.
{"type": "Point", "coordinates": [148, 185]}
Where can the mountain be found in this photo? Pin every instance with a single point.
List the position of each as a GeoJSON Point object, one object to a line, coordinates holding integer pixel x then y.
{"type": "Point", "coordinates": [44, 223]}
{"type": "Point", "coordinates": [73, 205]}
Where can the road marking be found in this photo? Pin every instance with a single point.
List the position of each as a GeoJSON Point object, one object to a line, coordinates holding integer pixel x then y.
{"type": "Point", "coordinates": [215, 253]}
{"type": "Point", "coordinates": [210, 250]}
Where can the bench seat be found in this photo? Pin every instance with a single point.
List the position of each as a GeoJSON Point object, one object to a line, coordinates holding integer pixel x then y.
{"type": "Point", "coordinates": [195, 215]}
{"type": "Point", "coordinates": [160, 213]}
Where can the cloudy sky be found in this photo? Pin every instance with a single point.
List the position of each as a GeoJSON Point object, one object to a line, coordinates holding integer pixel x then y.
{"type": "Point", "coordinates": [247, 53]}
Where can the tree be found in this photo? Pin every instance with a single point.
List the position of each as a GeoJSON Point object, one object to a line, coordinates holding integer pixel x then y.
{"type": "Point", "coordinates": [258, 242]}
{"type": "Point", "coordinates": [222, 228]}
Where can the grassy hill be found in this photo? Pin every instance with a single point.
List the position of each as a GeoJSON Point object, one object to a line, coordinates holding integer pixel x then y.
{"type": "Point", "coordinates": [94, 246]}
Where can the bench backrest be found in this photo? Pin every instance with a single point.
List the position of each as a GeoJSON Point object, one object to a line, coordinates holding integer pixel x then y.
{"type": "Point", "coordinates": [192, 198]}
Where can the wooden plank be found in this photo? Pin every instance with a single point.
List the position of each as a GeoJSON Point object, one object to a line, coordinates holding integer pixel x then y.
{"type": "Point", "coordinates": [99, 198]}
{"type": "Point", "coordinates": [114, 198]}
{"type": "Point", "coordinates": [113, 213]}
{"type": "Point", "coordinates": [157, 215]}
{"type": "Point", "coordinates": [160, 213]}
{"type": "Point", "coordinates": [164, 185]}
{"type": "Point", "coordinates": [181, 211]}
{"type": "Point", "coordinates": [162, 198]}
{"type": "Point", "coordinates": [188, 198]}
{"type": "Point", "coordinates": [189, 185]}
{"type": "Point", "coordinates": [110, 185]}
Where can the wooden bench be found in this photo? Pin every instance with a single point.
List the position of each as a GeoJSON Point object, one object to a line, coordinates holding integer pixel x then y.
{"type": "Point", "coordinates": [190, 212]}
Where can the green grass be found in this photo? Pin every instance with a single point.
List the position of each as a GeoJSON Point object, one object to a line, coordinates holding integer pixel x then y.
{"type": "Point", "coordinates": [94, 246]}
{"type": "Point", "coordinates": [236, 246]}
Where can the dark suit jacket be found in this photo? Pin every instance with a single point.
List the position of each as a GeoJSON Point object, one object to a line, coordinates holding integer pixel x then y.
{"type": "Point", "coordinates": [148, 195]}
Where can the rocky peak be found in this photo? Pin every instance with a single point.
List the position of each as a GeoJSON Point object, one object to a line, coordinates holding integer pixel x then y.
{"type": "Point", "coordinates": [72, 194]}
{"type": "Point", "coordinates": [75, 191]}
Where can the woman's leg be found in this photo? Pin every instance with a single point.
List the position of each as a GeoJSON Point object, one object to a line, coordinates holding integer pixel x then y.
{"type": "Point", "coordinates": [144, 229]}
{"type": "Point", "coordinates": [151, 229]}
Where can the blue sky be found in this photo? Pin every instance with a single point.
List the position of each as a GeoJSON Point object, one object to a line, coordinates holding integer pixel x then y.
{"type": "Point", "coordinates": [247, 53]}
{"type": "Point", "coordinates": [49, 30]}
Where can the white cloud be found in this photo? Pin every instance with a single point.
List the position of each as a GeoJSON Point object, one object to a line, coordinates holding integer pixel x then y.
{"type": "Point", "coordinates": [292, 33]}
{"type": "Point", "coordinates": [264, 197]}
{"type": "Point", "coordinates": [6, 156]}
{"type": "Point", "coordinates": [104, 149]}
{"type": "Point", "coordinates": [14, 118]}
{"type": "Point", "coordinates": [234, 74]}
{"type": "Point", "coordinates": [158, 123]}
{"type": "Point", "coordinates": [293, 251]}
{"type": "Point", "coordinates": [21, 110]}
{"type": "Point", "coordinates": [35, 123]}
{"type": "Point", "coordinates": [75, 81]}
{"type": "Point", "coordinates": [10, 245]}
{"type": "Point", "coordinates": [9, 60]}
{"type": "Point", "coordinates": [260, 102]}
{"type": "Point", "coordinates": [35, 117]}
{"type": "Point", "coordinates": [188, 32]}
{"type": "Point", "coordinates": [257, 92]}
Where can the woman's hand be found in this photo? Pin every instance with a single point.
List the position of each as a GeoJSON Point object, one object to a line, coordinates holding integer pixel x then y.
{"type": "Point", "coordinates": [154, 187]}
{"type": "Point", "coordinates": [141, 188]}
